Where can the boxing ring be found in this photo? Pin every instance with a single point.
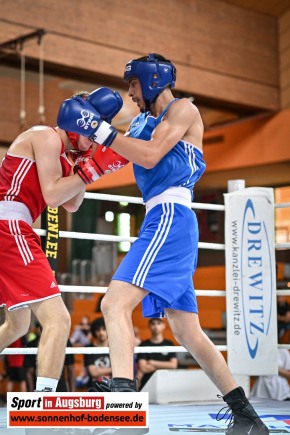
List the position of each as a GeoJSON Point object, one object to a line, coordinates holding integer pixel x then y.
{"type": "Point", "coordinates": [190, 417]}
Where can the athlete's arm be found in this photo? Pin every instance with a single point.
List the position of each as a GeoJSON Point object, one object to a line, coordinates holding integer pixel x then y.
{"type": "Point", "coordinates": [182, 117]}
{"type": "Point", "coordinates": [171, 364]}
{"type": "Point", "coordinates": [145, 366]}
{"type": "Point", "coordinates": [56, 189]}
{"type": "Point", "coordinates": [96, 372]}
{"type": "Point", "coordinates": [284, 373]}
{"type": "Point", "coordinates": [74, 203]}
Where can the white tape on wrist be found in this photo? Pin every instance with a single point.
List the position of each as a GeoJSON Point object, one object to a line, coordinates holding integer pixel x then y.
{"type": "Point", "coordinates": [95, 176]}
{"type": "Point", "coordinates": [93, 172]}
{"type": "Point", "coordinates": [103, 132]}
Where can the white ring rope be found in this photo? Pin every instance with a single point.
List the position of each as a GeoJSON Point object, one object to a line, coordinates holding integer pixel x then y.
{"type": "Point", "coordinates": [97, 289]}
{"type": "Point", "coordinates": [100, 290]}
{"type": "Point", "coordinates": [138, 200]}
{"type": "Point", "coordinates": [282, 205]}
{"type": "Point", "coordinates": [133, 200]}
{"type": "Point", "coordinates": [109, 238]}
{"type": "Point", "coordinates": [100, 350]}
{"type": "Point", "coordinates": [282, 245]}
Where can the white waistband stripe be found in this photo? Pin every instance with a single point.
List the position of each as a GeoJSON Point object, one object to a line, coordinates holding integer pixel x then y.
{"type": "Point", "coordinates": [14, 210]}
{"type": "Point", "coordinates": [177, 195]}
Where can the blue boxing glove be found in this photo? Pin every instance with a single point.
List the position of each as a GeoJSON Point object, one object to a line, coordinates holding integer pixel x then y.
{"type": "Point", "coordinates": [107, 102]}
{"type": "Point", "coordinates": [79, 116]}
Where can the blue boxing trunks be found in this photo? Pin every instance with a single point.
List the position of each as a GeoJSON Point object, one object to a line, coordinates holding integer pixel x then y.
{"type": "Point", "coordinates": [163, 258]}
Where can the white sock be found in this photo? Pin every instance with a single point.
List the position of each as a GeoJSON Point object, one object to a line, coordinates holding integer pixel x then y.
{"type": "Point", "coordinates": [46, 383]}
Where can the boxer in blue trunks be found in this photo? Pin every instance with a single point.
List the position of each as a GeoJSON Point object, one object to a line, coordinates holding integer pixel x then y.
{"type": "Point", "coordinates": [164, 143]}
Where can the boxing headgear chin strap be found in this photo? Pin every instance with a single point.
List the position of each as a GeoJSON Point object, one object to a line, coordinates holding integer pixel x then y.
{"type": "Point", "coordinates": [73, 137]}
{"type": "Point", "coordinates": [153, 74]}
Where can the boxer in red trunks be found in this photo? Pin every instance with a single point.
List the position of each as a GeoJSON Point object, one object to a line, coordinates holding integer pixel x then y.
{"type": "Point", "coordinates": [34, 173]}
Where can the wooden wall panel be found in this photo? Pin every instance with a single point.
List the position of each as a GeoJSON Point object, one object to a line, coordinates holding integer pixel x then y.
{"type": "Point", "coordinates": [284, 52]}
{"type": "Point", "coordinates": [285, 96]}
{"type": "Point", "coordinates": [10, 107]}
{"type": "Point", "coordinates": [269, 7]}
{"type": "Point", "coordinates": [234, 49]}
{"type": "Point", "coordinates": [258, 142]}
{"type": "Point", "coordinates": [190, 79]}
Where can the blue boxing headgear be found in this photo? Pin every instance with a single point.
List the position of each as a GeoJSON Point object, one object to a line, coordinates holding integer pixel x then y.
{"type": "Point", "coordinates": [154, 73]}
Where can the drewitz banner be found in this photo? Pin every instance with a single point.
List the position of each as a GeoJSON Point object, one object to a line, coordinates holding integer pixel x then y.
{"type": "Point", "coordinates": [251, 282]}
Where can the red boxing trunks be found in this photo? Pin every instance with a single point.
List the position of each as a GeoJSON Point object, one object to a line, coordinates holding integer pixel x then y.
{"type": "Point", "coordinates": [25, 274]}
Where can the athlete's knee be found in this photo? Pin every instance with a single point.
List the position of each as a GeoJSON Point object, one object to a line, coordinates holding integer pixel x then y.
{"type": "Point", "coordinates": [59, 324]}
{"type": "Point", "coordinates": [178, 330]}
{"type": "Point", "coordinates": [115, 307]}
{"type": "Point", "coordinates": [64, 323]}
{"type": "Point", "coordinates": [178, 335]}
{"type": "Point", "coordinates": [107, 306]}
{"type": "Point", "coordinates": [16, 327]}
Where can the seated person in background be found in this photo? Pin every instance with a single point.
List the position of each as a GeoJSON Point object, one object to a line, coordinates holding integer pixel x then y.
{"type": "Point", "coordinates": [275, 387]}
{"type": "Point", "coordinates": [148, 363]}
{"type": "Point", "coordinates": [82, 379]}
{"type": "Point", "coordinates": [66, 382]}
{"type": "Point", "coordinates": [283, 315]}
{"type": "Point", "coordinates": [81, 335]}
{"type": "Point", "coordinates": [15, 371]}
{"type": "Point", "coordinates": [98, 365]}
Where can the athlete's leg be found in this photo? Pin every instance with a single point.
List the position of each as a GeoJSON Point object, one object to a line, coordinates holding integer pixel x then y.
{"type": "Point", "coordinates": [55, 321]}
{"type": "Point", "coordinates": [117, 306]}
{"type": "Point", "coordinates": [16, 325]}
{"type": "Point", "coordinates": [187, 331]}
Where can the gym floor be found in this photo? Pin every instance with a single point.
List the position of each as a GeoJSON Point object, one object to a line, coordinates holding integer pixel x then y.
{"type": "Point", "coordinates": [198, 418]}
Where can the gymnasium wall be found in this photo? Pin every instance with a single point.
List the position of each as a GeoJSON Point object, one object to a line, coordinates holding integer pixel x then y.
{"type": "Point", "coordinates": [222, 52]}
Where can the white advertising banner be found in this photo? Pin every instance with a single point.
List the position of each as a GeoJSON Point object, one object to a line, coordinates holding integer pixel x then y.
{"type": "Point", "coordinates": [251, 282]}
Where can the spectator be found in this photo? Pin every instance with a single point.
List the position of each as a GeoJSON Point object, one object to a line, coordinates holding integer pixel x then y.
{"type": "Point", "coordinates": [66, 382]}
{"type": "Point", "coordinates": [83, 379]}
{"type": "Point", "coordinates": [275, 386]}
{"type": "Point", "coordinates": [283, 316]}
{"type": "Point", "coordinates": [98, 365]}
{"type": "Point", "coordinates": [14, 368]}
{"type": "Point", "coordinates": [148, 363]}
{"type": "Point", "coordinates": [81, 334]}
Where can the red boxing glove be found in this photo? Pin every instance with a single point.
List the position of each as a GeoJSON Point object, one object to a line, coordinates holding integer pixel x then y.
{"type": "Point", "coordinates": [104, 161]}
{"type": "Point", "coordinates": [89, 171]}
{"type": "Point", "coordinates": [80, 156]}
{"type": "Point", "coordinates": [108, 160]}
{"type": "Point", "coordinates": [85, 166]}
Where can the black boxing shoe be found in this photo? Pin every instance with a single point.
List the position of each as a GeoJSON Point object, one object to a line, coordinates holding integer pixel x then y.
{"type": "Point", "coordinates": [45, 390]}
{"type": "Point", "coordinates": [243, 418]}
{"type": "Point", "coordinates": [115, 385]}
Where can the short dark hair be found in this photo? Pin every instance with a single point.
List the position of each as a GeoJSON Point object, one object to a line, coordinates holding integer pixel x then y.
{"type": "Point", "coordinates": [155, 318]}
{"type": "Point", "coordinates": [82, 94]}
{"type": "Point", "coordinates": [97, 324]}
